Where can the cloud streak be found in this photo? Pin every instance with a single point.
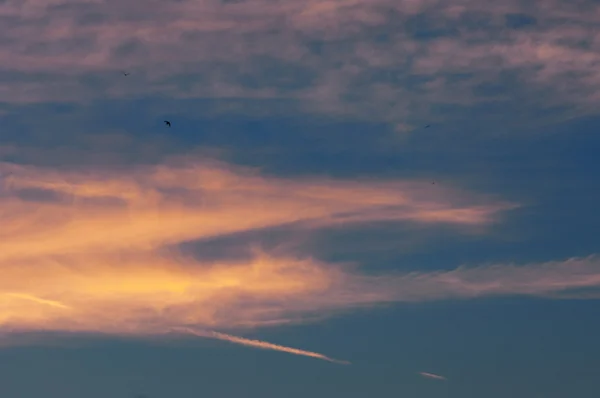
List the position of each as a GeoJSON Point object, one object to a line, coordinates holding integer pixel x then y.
{"type": "Point", "coordinates": [260, 344]}
{"type": "Point", "coordinates": [432, 376]}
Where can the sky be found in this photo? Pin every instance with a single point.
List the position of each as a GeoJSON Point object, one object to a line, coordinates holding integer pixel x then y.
{"type": "Point", "coordinates": [387, 198]}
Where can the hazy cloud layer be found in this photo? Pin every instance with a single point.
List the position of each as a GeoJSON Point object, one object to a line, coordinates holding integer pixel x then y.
{"type": "Point", "coordinates": [403, 61]}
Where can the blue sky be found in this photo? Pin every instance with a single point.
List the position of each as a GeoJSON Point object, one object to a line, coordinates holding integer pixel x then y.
{"type": "Point", "coordinates": [298, 212]}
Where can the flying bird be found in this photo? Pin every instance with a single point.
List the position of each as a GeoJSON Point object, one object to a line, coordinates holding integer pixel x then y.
{"type": "Point", "coordinates": [125, 73]}
{"type": "Point", "coordinates": [168, 123]}
{"type": "Point", "coordinates": [429, 125]}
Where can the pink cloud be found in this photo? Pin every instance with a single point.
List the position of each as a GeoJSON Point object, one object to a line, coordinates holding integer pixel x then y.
{"type": "Point", "coordinates": [222, 42]}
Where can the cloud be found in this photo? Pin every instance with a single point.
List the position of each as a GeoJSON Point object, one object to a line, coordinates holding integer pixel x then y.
{"type": "Point", "coordinates": [539, 279]}
{"type": "Point", "coordinates": [100, 254]}
{"type": "Point", "coordinates": [399, 61]}
{"type": "Point", "coordinates": [432, 376]}
{"type": "Point", "coordinates": [154, 206]}
{"type": "Point", "coordinates": [260, 344]}
{"type": "Point", "coordinates": [87, 251]}
{"type": "Point", "coordinates": [95, 250]}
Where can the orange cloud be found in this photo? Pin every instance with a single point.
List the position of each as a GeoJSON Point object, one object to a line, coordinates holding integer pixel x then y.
{"type": "Point", "coordinates": [167, 205]}
{"type": "Point", "coordinates": [87, 252]}
{"type": "Point", "coordinates": [91, 252]}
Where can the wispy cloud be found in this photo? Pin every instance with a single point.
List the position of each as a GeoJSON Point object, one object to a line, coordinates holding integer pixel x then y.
{"type": "Point", "coordinates": [70, 212]}
{"type": "Point", "coordinates": [85, 251]}
{"type": "Point", "coordinates": [259, 344]}
{"type": "Point", "coordinates": [93, 251]}
{"type": "Point", "coordinates": [392, 60]}
{"type": "Point", "coordinates": [432, 376]}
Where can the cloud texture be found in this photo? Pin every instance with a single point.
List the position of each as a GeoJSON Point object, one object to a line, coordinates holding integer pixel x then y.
{"type": "Point", "coordinates": [96, 251]}
{"type": "Point", "coordinates": [92, 250]}
{"type": "Point", "coordinates": [403, 61]}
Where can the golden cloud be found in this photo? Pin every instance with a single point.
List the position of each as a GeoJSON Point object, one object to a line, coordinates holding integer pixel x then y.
{"type": "Point", "coordinates": [83, 251]}
{"type": "Point", "coordinates": [86, 252]}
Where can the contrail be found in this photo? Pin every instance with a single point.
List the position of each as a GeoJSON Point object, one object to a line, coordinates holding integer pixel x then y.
{"type": "Point", "coordinates": [259, 344]}
{"type": "Point", "coordinates": [432, 376]}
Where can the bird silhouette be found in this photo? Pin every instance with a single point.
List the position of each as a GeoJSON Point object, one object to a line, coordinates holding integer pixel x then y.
{"type": "Point", "coordinates": [168, 123]}
{"type": "Point", "coordinates": [429, 125]}
{"type": "Point", "coordinates": [125, 73]}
